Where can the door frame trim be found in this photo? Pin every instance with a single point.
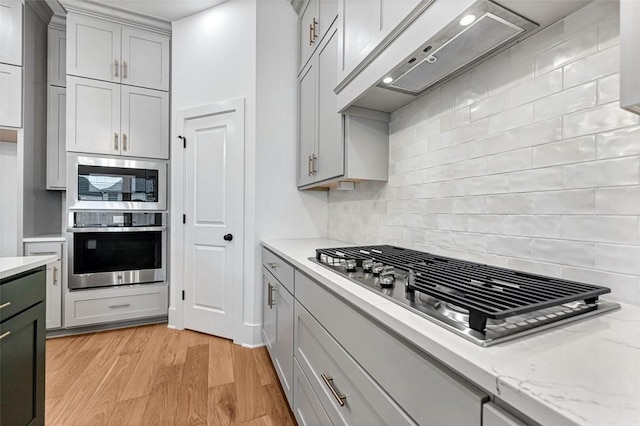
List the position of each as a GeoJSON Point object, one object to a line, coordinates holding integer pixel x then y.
{"type": "Point", "coordinates": [177, 202]}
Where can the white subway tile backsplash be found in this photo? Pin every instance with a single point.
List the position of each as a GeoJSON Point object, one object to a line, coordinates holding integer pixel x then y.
{"type": "Point", "coordinates": [618, 143]}
{"type": "Point", "coordinates": [565, 102]}
{"type": "Point", "coordinates": [509, 204]}
{"type": "Point", "coordinates": [597, 120]}
{"type": "Point", "coordinates": [526, 161]}
{"type": "Point", "coordinates": [622, 200]}
{"type": "Point", "coordinates": [609, 89]}
{"type": "Point", "coordinates": [509, 246]}
{"type": "Point", "coordinates": [534, 226]}
{"type": "Point", "coordinates": [618, 258]}
{"type": "Point", "coordinates": [539, 87]}
{"type": "Point", "coordinates": [623, 171]}
{"type": "Point", "coordinates": [536, 134]}
{"type": "Point", "coordinates": [583, 44]}
{"type": "Point", "coordinates": [592, 67]}
{"type": "Point", "coordinates": [511, 119]}
{"type": "Point", "coordinates": [563, 252]}
{"type": "Point", "coordinates": [510, 161]}
{"type": "Point", "coordinates": [605, 229]}
{"type": "Point", "coordinates": [564, 152]}
{"type": "Point", "coordinates": [563, 202]}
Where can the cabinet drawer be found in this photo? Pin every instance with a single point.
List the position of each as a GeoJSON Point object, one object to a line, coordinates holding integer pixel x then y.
{"type": "Point", "coordinates": [41, 249]}
{"type": "Point", "coordinates": [99, 306]}
{"type": "Point", "coordinates": [19, 294]}
{"type": "Point", "coordinates": [306, 405]}
{"type": "Point", "coordinates": [348, 394]}
{"type": "Point", "coordinates": [279, 268]}
{"type": "Point", "coordinates": [427, 391]}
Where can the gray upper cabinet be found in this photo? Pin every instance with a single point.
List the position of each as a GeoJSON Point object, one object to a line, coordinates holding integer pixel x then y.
{"type": "Point", "coordinates": [56, 133]}
{"type": "Point", "coordinates": [57, 57]}
{"type": "Point", "coordinates": [11, 24]}
{"type": "Point", "coordinates": [107, 51]}
{"type": "Point", "coordinates": [315, 18]}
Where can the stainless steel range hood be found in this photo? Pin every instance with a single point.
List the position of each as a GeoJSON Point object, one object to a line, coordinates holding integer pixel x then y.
{"type": "Point", "coordinates": [449, 50]}
{"type": "Point", "coordinates": [488, 28]}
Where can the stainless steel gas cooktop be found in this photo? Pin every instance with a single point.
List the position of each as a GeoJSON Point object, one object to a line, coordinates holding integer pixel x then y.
{"type": "Point", "coordinates": [485, 304]}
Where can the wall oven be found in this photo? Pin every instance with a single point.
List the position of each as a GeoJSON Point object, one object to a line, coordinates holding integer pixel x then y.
{"type": "Point", "coordinates": [116, 248]}
{"type": "Point", "coordinates": [108, 183]}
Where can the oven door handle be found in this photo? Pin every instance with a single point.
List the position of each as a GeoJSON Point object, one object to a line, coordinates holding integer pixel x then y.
{"type": "Point", "coordinates": [119, 229]}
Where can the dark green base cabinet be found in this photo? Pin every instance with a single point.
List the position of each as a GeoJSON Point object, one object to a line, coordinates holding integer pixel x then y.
{"type": "Point", "coordinates": [22, 350]}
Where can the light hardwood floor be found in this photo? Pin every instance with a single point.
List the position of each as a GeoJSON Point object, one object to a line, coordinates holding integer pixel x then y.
{"type": "Point", "coordinates": [154, 375]}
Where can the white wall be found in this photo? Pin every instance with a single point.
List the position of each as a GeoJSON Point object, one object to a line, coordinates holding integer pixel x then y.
{"type": "Point", "coordinates": [526, 162]}
{"type": "Point", "coordinates": [8, 199]}
{"type": "Point", "coordinates": [240, 49]}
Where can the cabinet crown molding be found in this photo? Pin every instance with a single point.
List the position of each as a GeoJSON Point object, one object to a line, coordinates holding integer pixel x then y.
{"type": "Point", "coordinates": [59, 22]}
{"type": "Point", "coordinates": [117, 15]}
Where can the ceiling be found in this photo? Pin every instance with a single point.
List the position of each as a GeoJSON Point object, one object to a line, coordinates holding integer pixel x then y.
{"type": "Point", "coordinates": [167, 10]}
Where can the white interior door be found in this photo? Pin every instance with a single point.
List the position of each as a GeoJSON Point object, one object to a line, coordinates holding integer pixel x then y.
{"type": "Point", "coordinates": [214, 167]}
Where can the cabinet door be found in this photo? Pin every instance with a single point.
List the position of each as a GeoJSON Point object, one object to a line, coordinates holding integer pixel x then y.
{"type": "Point", "coordinates": [145, 59]}
{"type": "Point", "coordinates": [306, 124]}
{"type": "Point", "coordinates": [145, 122]}
{"type": "Point", "coordinates": [307, 38]}
{"type": "Point", "coordinates": [361, 20]}
{"type": "Point", "coordinates": [56, 151]}
{"type": "Point", "coordinates": [268, 313]}
{"type": "Point", "coordinates": [11, 39]}
{"type": "Point", "coordinates": [22, 353]}
{"type": "Point", "coordinates": [327, 14]}
{"type": "Point", "coordinates": [284, 339]}
{"type": "Point", "coordinates": [54, 295]}
{"type": "Point", "coordinates": [93, 116]}
{"type": "Point", "coordinates": [57, 57]}
{"type": "Point", "coordinates": [306, 405]}
{"type": "Point", "coordinates": [11, 98]}
{"type": "Point", "coordinates": [93, 48]}
{"type": "Point", "coordinates": [330, 146]}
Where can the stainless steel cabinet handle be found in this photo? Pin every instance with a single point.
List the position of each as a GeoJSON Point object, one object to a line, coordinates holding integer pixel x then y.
{"type": "Point", "coordinates": [124, 141]}
{"type": "Point", "coordinates": [4, 305]}
{"type": "Point", "coordinates": [55, 275]}
{"type": "Point", "coordinates": [124, 69]}
{"type": "Point", "coordinates": [270, 296]}
{"type": "Point", "coordinates": [329, 382]}
{"type": "Point", "coordinates": [314, 161]}
{"type": "Point", "coordinates": [5, 335]}
{"type": "Point", "coordinates": [33, 253]}
{"type": "Point", "coordinates": [310, 34]}
{"type": "Point", "coordinates": [124, 305]}
{"type": "Point", "coordinates": [315, 24]}
{"type": "Point", "coordinates": [273, 265]}
{"type": "Point", "coordinates": [310, 165]}
{"type": "Point", "coordinates": [115, 68]}
{"type": "Point", "coordinates": [115, 141]}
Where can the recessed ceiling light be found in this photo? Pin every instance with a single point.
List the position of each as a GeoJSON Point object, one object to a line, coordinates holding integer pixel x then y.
{"type": "Point", "coordinates": [467, 19]}
{"type": "Point", "coordinates": [387, 80]}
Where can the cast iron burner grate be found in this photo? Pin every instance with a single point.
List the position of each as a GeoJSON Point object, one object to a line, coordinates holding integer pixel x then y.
{"type": "Point", "coordinates": [484, 291]}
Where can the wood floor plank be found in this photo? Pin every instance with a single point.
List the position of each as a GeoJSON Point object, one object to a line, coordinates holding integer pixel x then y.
{"type": "Point", "coordinates": [222, 405]}
{"type": "Point", "coordinates": [220, 362]}
{"type": "Point", "coordinates": [153, 375]}
{"type": "Point", "coordinates": [252, 402]}
{"type": "Point", "coordinates": [192, 405]}
{"type": "Point", "coordinates": [163, 399]}
{"type": "Point", "coordinates": [129, 412]}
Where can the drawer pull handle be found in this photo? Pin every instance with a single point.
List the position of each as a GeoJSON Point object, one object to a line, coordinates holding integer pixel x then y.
{"type": "Point", "coordinates": [329, 382]}
{"type": "Point", "coordinates": [270, 297]}
{"type": "Point", "coordinates": [124, 305]}
{"type": "Point", "coordinates": [273, 265]}
{"type": "Point", "coordinates": [33, 253]}
{"type": "Point", "coordinates": [4, 305]}
{"type": "Point", "coordinates": [55, 275]}
{"type": "Point", "coordinates": [5, 335]}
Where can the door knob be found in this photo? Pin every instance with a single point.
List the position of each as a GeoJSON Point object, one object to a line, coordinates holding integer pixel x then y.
{"type": "Point", "coordinates": [228, 237]}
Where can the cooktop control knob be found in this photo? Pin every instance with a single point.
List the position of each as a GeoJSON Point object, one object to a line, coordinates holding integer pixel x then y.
{"type": "Point", "coordinates": [350, 264]}
{"type": "Point", "coordinates": [367, 265]}
{"type": "Point", "coordinates": [377, 268]}
{"type": "Point", "coordinates": [387, 277]}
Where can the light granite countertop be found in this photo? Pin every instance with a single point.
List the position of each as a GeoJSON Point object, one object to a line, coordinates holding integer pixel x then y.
{"type": "Point", "coordinates": [585, 373]}
{"type": "Point", "coordinates": [10, 266]}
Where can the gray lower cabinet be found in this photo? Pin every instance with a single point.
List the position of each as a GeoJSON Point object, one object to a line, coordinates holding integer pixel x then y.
{"type": "Point", "coordinates": [277, 329]}
{"type": "Point", "coordinates": [306, 405]}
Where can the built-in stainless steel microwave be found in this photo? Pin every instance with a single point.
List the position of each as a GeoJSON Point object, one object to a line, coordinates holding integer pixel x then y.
{"type": "Point", "coordinates": [111, 183]}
